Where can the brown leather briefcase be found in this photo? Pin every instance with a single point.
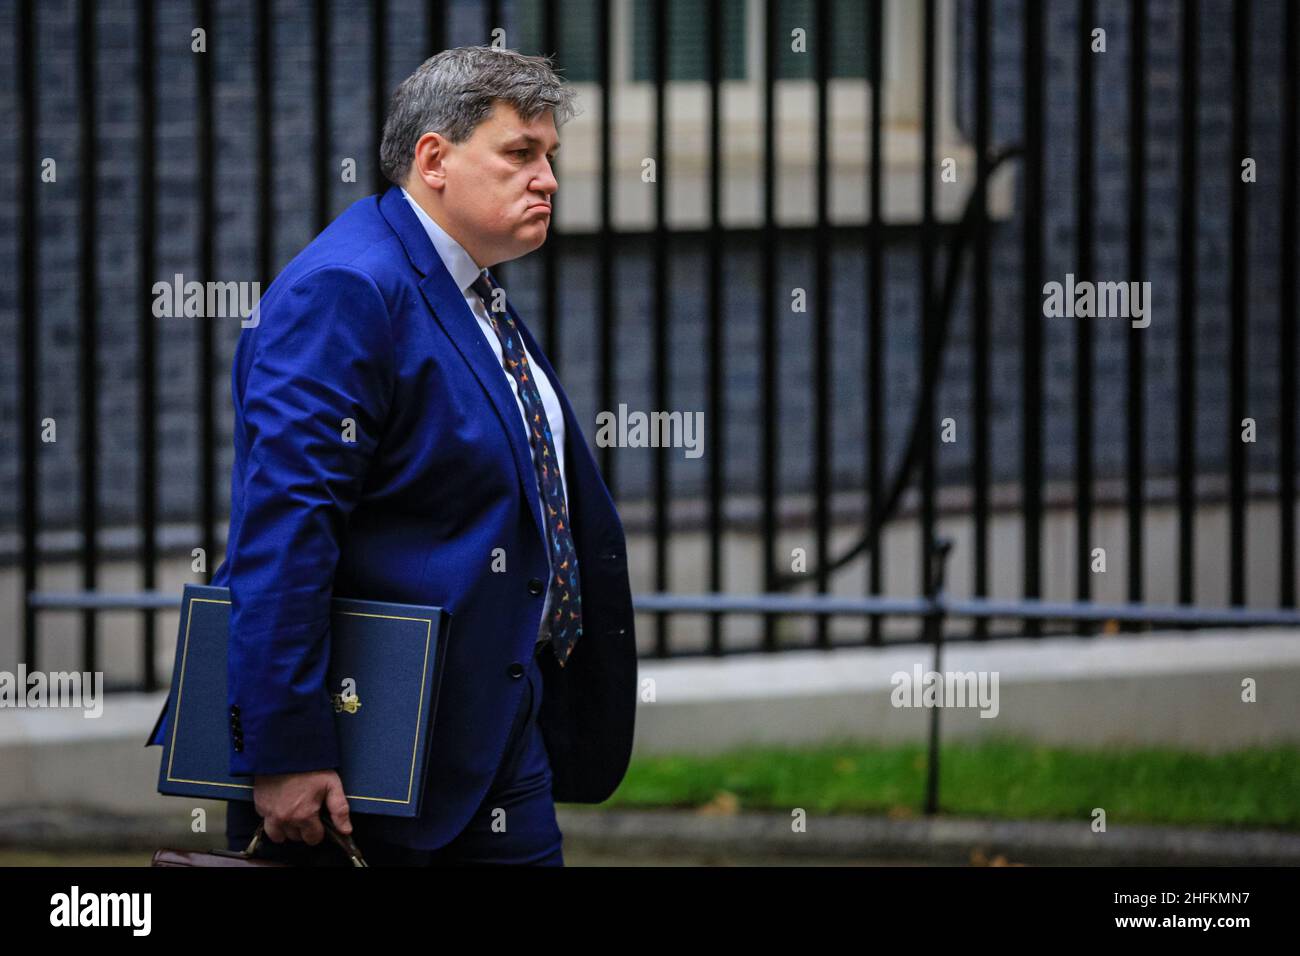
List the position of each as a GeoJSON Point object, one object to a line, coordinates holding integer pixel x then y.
{"type": "Point", "coordinates": [244, 857]}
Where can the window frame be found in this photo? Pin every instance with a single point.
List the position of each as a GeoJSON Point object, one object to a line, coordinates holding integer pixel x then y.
{"type": "Point", "coordinates": [687, 104]}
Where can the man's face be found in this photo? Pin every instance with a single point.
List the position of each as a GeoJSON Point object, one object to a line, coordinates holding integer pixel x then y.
{"type": "Point", "coordinates": [498, 184]}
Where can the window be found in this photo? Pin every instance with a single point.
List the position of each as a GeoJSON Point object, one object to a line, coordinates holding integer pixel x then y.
{"type": "Point", "coordinates": [686, 166]}
{"type": "Point", "coordinates": [688, 40]}
{"type": "Point", "coordinates": [577, 45]}
{"type": "Point", "coordinates": [850, 46]}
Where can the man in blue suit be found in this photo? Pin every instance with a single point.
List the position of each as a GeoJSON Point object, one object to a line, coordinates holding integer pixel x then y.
{"type": "Point", "coordinates": [400, 436]}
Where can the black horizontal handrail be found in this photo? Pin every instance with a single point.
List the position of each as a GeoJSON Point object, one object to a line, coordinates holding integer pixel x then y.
{"type": "Point", "coordinates": [665, 603]}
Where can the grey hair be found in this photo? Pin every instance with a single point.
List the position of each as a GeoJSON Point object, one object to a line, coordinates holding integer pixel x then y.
{"type": "Point", "coordinates": [453, 91]}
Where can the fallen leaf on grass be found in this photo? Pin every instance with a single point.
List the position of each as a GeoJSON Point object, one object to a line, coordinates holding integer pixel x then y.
{"type": "Point", "coordinates": [724, 803]}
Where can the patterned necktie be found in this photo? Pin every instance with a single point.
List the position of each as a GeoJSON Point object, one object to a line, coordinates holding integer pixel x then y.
{"type": "Point", "coordinates": [565, 595]}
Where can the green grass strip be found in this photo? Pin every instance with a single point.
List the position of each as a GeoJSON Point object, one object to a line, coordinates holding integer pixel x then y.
{"type": "Point", "coordinates": [1007, 779]}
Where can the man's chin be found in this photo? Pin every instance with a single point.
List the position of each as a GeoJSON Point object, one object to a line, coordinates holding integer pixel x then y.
{"type": "Point", "coordinates": [523, 248]}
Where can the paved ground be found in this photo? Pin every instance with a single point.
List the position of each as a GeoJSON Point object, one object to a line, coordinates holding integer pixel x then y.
{"type": "Point", "coordinates": [38, 836]}
{"type": "Point", "coordinates": [574, 858]}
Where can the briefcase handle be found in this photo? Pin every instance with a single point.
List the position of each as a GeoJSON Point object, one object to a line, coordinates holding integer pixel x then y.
{"type": "Point", "coordinates": [344, 840]}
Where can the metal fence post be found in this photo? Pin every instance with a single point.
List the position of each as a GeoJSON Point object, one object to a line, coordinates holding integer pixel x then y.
{"type": "Point", "coordinates": [940, 548]}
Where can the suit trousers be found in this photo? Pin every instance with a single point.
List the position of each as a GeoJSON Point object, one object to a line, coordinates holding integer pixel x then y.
{"type": "Point", "coordinates": [515, 823]}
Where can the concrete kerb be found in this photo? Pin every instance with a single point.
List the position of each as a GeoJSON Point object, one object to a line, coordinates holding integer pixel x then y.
{"type": "Point", "coordinates": [943, 840]}
{"type": "Point", "coordinates": [647, 834]}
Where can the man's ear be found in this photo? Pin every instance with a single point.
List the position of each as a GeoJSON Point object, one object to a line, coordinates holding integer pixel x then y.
{"type": "Point", "coordinates": [427, 166]}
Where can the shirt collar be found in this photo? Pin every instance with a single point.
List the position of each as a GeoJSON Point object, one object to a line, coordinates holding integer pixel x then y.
{"type": "Point", "coordinates": [454, 257]}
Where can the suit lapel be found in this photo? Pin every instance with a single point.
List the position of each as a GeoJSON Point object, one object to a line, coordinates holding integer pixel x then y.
{"type": "Point", "coordinates": [449, 308]}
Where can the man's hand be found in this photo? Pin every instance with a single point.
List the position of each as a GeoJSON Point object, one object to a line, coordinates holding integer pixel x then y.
{"type": "Point", "coordinates": [289, 804]}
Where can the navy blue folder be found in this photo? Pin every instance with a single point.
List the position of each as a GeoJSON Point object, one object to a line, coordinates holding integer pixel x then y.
{"type": "Point", "coordinates": [392, 653]}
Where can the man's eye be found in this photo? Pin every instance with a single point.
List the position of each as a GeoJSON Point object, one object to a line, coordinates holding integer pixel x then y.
{"type": "Point", "coordinates": [520, 152]}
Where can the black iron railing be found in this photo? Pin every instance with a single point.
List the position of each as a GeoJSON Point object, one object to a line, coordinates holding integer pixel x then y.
{"type": "Point", "coordinates": [967, 245]}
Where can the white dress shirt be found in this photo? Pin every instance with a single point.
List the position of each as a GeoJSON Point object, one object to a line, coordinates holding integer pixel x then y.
{"type": "Point", "coordinates": [463, 272]}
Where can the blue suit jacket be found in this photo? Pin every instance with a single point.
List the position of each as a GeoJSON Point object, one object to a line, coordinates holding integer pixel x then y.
{"type": "Point", "coordinates": [366, 324]}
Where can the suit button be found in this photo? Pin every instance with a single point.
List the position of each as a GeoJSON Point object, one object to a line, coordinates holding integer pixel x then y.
{"type": "Point", "coordinates": [239, 746]}
{"type": "Point", "coordinates": [515, 670]}
{"type": "Point", "coordinates": [234, 710]}
{"type": "Point", "coordinates": [535, 586]}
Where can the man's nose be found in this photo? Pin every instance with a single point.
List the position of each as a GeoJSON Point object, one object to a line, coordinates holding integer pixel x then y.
{"type": "Point", "coordinates": [545, 181]}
